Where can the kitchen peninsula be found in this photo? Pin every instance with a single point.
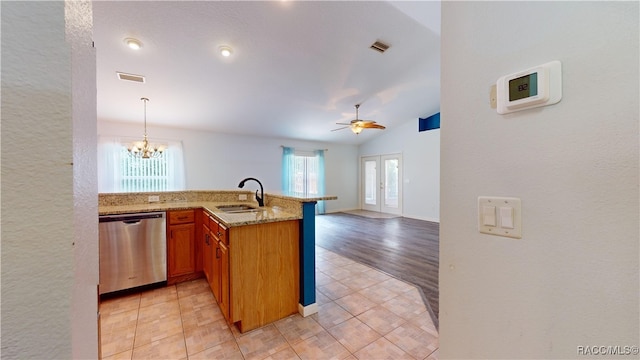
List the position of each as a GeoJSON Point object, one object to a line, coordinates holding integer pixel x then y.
{"type": "Point", "coordinates": [259, 261]}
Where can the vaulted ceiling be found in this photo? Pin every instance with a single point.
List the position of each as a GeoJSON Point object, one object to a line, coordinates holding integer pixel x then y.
{"type": "Point", "coordinates": [296, 68]}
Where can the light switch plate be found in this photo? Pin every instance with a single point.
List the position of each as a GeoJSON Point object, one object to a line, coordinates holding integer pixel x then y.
{"type": "Point", "coordinates": [501, 203]}
{"type": "Point", "coordinates": [154, 198]}
{"type": "Point", "coordinates": [242, 197]}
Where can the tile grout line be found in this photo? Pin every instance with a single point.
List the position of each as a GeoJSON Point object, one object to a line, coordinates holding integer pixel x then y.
{"type": "Point", "coordinates": [133, 343]}
{"type": "Point", "coordinates": [184, 334]}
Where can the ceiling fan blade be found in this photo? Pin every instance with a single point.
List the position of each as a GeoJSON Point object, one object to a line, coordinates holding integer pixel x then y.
{"type": "Point", "coordinates": [344, 127]}
{"type": "Point", "coordinates": [372, 125]}
{"type": "Point", "coordinates": [343, 123]}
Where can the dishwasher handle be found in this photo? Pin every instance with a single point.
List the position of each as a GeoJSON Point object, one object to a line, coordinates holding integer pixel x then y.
{"type": "Point", "coordinates": [131, 218]}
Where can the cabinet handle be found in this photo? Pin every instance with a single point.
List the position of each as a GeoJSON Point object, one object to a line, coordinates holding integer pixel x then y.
{"type": "Point", "coordinates": [182, 217]}
{"type": "Point", "coordinates": [206, 239]}
{"type": "Point", "coordinates": [217, 253]}
{"type": "Point", "coordinates": [219, 233]}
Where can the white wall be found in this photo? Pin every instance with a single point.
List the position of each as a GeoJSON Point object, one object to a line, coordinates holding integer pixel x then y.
{"type": "Point", "coordinates": [220, 161]}
{"type": "Point", "coordinates": [49, 189]}
{"type": "Point", "coordinates": [421, 167]}
{"type": "Point", "coordinates": [573, 278]}
{"type": "Point", "coordinates": [79, 25]}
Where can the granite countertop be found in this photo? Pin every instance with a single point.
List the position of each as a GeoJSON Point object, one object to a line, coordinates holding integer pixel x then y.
{"type": "Point", "coordinates": [280, 206]}
{"type": "Point", "coordinates": [302, 197]}
{"type": "Point", "coordinates": [264, 214]}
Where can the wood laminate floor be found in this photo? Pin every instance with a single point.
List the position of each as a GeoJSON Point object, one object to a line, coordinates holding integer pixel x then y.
{"type": "Point", "coordinates": [406, 248]}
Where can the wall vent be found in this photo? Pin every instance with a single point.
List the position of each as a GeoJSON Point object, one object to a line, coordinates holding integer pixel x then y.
{"type": "Point", "coordinates": [379, 46]}
{"type": "Point", "coordinates": [130, 77]}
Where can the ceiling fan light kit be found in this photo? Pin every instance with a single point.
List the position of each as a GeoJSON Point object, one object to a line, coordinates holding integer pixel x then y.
{"type": "Point", "coordinates": [358, 125]}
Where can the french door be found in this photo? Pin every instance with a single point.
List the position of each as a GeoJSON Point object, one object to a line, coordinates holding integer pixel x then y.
{"type": "Point", "coordinates": [381, 183]}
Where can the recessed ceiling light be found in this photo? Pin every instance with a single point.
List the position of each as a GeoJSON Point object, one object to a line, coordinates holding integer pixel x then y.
{"type": "Point", "coordinates": [225, 51]}
{"type": "Point", "coordinates": [132, 43]}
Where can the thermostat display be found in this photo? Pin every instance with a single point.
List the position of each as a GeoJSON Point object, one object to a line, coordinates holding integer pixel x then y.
{"type": "Point", "coordinates": [523, 87]}
{"type": "Point", "coordinates": [534, 87]}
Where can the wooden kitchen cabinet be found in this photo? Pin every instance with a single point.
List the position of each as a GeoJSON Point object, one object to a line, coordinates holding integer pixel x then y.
{"type": "Point", "coordinates": [220, 274]}
{"type": "Point", "coordinates": [264, 273]}
{"type": "Point", "coordinates": [199, 251]}
{"type": "Point", "coordinates": [207, 250]}
{"type": "Point", "coordinates": [214, 283]}
{"type": "Point", "coordinates": [223, 268]}
{"type": "Point", "coordinates": [216, 261]}
{"type": "Point", "coordinates": [253, 270]}
{"type": "Point", "coordinates": [181, 246]}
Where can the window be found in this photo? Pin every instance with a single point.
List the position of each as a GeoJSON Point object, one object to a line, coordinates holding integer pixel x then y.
{"type": "Point", "coordinates": [303, 173]}
{"type": "Point", "coordinates": [305, 170]}
{"type": "Point", "coordinates": [119, 172]}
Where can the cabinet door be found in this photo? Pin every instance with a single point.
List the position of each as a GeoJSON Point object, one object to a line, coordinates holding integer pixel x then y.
{"type": "Point", "coordinates": [215, 278]}
{"type": "Point", "coordinates": [207, 253]}
{"type": "Point", "coordinates": [181, 249]}
{"type": "Point", "coordinates": [199, 252]}
{"type": "Point", "coordinates": [224, 280]}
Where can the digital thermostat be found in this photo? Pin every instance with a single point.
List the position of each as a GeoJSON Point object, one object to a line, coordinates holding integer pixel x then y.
{"type": "Point", "coordinates": [531, 88]}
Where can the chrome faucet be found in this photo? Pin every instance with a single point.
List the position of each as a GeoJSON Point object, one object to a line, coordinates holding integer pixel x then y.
{"type": "Point", "coordinates": [259, 199]}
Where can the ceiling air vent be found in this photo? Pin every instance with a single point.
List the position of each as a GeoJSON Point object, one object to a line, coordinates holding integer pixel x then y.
{"type": "Point", "coordinates": [379, 46]}
{"type": "Point", "coordinates": [130, 77]}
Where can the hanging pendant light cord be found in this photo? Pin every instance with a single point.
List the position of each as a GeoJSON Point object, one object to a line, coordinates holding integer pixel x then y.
{"type": "Point", "coordinates": [145, 115]}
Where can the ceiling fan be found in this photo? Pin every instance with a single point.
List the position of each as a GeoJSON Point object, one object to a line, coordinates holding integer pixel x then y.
{"type": "Point", "coordinates": [358, 125]}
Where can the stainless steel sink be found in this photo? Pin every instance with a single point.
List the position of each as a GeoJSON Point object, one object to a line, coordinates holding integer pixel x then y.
{"type": "Point", "coordinates": [237, 208]}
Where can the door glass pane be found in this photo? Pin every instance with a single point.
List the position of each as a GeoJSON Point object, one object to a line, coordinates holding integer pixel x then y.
{"type": "Point", "coordinates": [391, 183]}
{"type": "Point", "coordinates": [370, 187]}
{"type": "Point", "coordinates": [305, 172]}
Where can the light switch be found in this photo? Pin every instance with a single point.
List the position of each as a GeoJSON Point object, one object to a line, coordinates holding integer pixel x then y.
{"type": "Point", "coordinates": [506, 217]}
{"type": "Point", "coordinates": [500, 216]}
{"type": "Point", "coordinates": [489, 215]}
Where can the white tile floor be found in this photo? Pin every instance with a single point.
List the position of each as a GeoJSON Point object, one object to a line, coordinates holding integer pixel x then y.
{"type": "Point", "coordinates": [363, 314]}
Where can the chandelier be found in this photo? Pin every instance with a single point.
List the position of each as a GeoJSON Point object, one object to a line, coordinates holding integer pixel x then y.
{"type": "Point", "coordinates": [142, 149]}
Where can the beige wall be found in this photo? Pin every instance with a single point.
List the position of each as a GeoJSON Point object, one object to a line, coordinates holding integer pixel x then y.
{"type": "Point", "coordinates": [49, 192]}
{"type": "Point", "coordinates": [573, 278]}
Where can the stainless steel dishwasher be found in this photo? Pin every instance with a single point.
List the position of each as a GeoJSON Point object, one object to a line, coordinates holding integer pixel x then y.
{"type": "Point", "coordinates": [133, 250]}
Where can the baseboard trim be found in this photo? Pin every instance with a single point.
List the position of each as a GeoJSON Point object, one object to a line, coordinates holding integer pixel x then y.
{"type": "Point", "coordinates": [308, 310]}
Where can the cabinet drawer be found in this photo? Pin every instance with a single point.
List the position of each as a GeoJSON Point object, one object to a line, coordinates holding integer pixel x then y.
{"type": "Point", "coordinates": [181, 217]}
{"type": "Point", "coordinates": [211, 223]}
